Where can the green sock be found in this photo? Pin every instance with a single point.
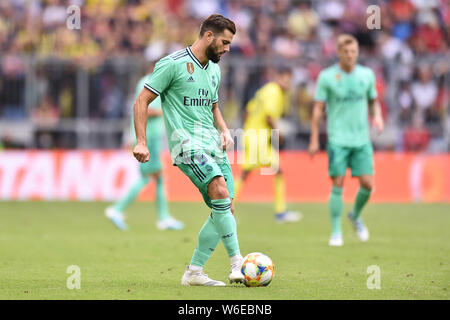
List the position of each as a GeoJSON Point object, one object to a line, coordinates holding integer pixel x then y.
{"type": "Point", "coordinates": [225, 225]}
{"type": "Point", "coordinates": [361, 199]}
{"type": "Point", "coordinates": [208, 239]}
{"type": "Point", "coordinates": [132, 194]}
{"type": "Point", "coordinates": [336, 205]}
{"type": "Point", "coordinates": [161, 201]}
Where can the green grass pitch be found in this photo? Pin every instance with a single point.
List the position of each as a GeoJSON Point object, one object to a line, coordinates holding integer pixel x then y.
{"type": "Point", "coordinates": [410, 243]}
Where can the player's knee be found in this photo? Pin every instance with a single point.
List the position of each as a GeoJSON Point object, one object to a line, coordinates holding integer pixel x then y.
{"type": "Point", "coordinates": [217, 188]}
{"type": "Point", "coordinates": [157, 175]}
{"type": "Point", "coordinates": [221, 192]}
{"type": "Point", "coordinates": [338, 182]}
{"type": "Point", "coordinates": [368, 185]}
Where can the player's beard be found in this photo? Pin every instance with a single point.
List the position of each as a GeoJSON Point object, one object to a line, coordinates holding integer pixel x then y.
{"type": "Point", "coordinates": [212, 52]}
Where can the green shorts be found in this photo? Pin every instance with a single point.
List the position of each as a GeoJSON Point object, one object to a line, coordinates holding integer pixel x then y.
{"type": "Point", "coordinates": [154, 164]}
{"type": "Point", "coordinates": [202, 168]}
{"type": "Point", "coordinates": [359, 159]}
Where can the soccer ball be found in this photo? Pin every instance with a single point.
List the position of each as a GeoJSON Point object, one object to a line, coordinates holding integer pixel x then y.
{"type": "Point", "coordinates": [258, 270]}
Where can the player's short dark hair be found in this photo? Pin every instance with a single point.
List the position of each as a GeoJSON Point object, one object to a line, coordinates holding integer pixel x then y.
{"type": "Point", "coordinates": [217, 24]}
{"type": "Point", "coordinates": [282, 69]}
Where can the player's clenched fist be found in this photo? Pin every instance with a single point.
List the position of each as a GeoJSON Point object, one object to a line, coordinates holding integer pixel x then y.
{"type": "Point", "coordinates": [226, 140]}
{"type": "Point", "coordinates": [141, 153]}
{"type": "Point", "coordinates": [313, 147]}
{"type": "Point", "coordinates": [378, 123]}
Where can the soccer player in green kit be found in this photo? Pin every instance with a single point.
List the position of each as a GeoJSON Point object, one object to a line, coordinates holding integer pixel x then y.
{"type": "Point", "coordinates": [187, 82]}
{"type": "Point", "coordinates": [149, 169]}
{"type": "Point", "coordinates": [348, 91]}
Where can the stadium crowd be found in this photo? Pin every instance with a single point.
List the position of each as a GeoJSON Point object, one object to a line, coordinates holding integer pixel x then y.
{"type": "Point", "coordinates": [409, 54]}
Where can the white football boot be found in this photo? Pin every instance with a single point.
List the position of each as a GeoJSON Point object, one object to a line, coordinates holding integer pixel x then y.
{"type": "Point", "coordinates": [236, 275]}
{"type": "Point", "coordinates": [169, 224]}
{"type": "Point", "coordinates": [116, 217]}
{"type": "Point", "coordinates": [336, 240]}
{"type": "Point", "coordinates": [199, 278]}
{"type": "Point", "coordinates": [288, 216]}
{"type": "Point", "coordinates": [361, 230]}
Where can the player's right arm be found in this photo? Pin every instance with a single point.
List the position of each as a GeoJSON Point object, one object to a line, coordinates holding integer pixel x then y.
{"type": "Point", "coordinates": [270, 122]}
{"type": "Point", "coordinates": [159, 81]}
{"type": "Point", "coordinates": [315, 127]}
{"type": "Point", "coordinates": [321, 96]}
{"type": "Point", "coordinates": [273, 105]}
{"type": "Point", "coordinates": [144, 98]}
{"type": "Point", "coordinates": [319, 106]}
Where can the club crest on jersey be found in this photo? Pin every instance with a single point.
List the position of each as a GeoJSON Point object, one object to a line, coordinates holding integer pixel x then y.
{"type": "Point", "coordinates": [338, 76]}
{"type": "Point", "coordinates": [190, 67]}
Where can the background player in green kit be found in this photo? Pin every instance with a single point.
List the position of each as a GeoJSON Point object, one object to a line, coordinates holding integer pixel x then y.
{"type": "Point", "coordinates": [348, 90]}
{"type": "Point", "coordinates": [149, 169]}
{"type": "Point", "coordinates": [188, 82]}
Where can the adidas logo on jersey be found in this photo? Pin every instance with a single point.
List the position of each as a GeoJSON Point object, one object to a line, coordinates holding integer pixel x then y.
{"type": "Point", "coordinates": [191, 79]}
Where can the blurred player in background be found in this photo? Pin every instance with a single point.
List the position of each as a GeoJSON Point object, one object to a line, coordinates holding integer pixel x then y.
{"type": "Point", "coordinates": [188, 82]}
{"type": "Point", "coordinates": [348, 91]}
{"type": "Point", "coordinates": [150, 169]}
{"type": "Point", "coordinates": [261, 116]}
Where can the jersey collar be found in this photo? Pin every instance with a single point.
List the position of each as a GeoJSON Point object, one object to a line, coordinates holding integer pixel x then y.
{"type": "Point", "coordinates": [345, 72]}
{"type": "Point", "coordinates": [188, 49]}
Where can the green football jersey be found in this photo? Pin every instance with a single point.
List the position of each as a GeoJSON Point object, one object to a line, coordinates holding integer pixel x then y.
{"type": "Point", "coordinates": [346, 96]}
{"type": "Point", "coordinates": [188, 91]}
{"type": "Point", "coordinates": [154, 124]}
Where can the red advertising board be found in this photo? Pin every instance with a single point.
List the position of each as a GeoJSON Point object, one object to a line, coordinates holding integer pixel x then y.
{"type": "Point", "coordinates": [106, 175]}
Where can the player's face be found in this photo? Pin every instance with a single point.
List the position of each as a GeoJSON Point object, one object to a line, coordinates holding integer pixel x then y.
{"type": "Point", "coordinates": [348, 54]}
{"type": "Point", "coordinates": [220, 45]}
{"type": "Point", "coordinates": [285, 80]}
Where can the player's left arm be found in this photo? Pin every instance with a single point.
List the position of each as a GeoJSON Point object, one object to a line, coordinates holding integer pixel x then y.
{"type": "Point", "coordinates": [225, 136]}
{"type": "Point", "coordinates": [273, 105]}
{"type": "Point", "coordinates": [375, 113]}
{"type": "Point", "coordinates": [270, 122]}
{"type": "Point", "coordinates": [374, 106]}
{"type": "Point", "coordinates": [273, 102]}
